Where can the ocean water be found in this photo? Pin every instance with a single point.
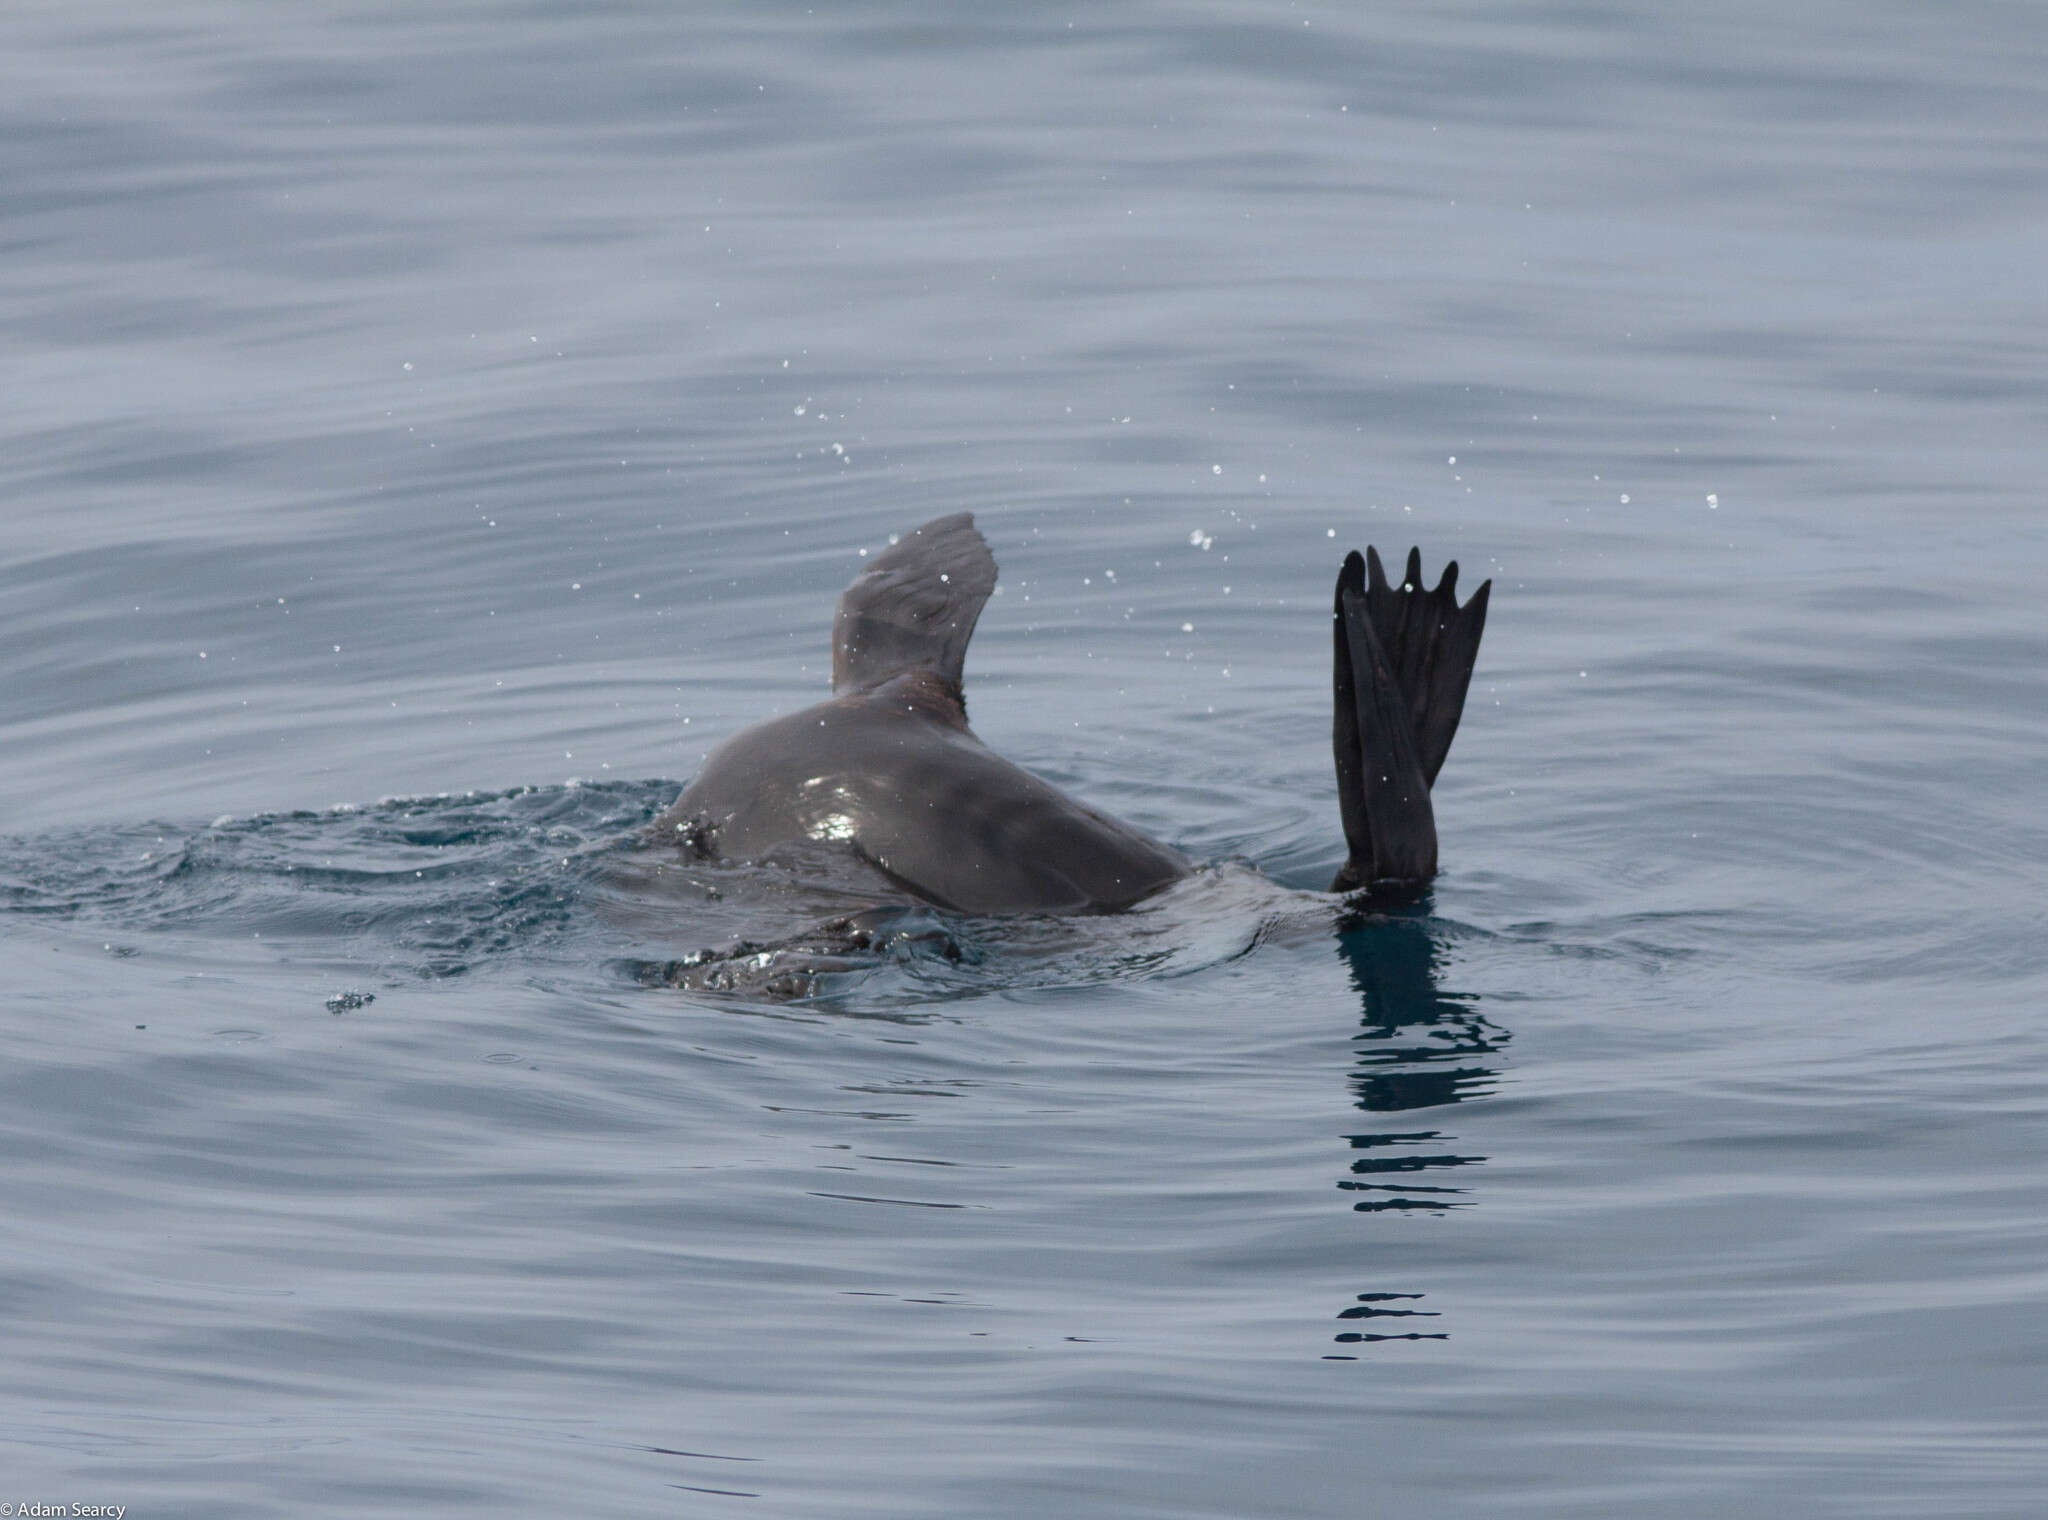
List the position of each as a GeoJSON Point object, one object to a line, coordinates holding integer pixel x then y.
{"type": "Point", "coordinates": [431, 429]}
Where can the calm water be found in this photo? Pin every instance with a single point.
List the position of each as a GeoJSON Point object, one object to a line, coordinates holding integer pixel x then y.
{"type": "Point", "coordinates": [429, 430]}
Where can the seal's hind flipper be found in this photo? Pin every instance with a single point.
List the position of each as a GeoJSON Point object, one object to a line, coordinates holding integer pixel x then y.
{"type": "Point", "coordinates": [914, 607]}
{"type": "Point", "coordinates": [1404, 663]}
{"type": "Point", "coordinates": [1431, 643]}
{"type": "Point", "coordinates": [1389, 824]}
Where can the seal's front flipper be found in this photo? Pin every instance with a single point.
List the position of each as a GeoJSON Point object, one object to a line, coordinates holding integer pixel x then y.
{"type": "Point", "coordinates": [1382, 792]}
{"type": "Point", "coordinates": [802, 966]}
{"type": "Point", "coordinates": [914, 607]}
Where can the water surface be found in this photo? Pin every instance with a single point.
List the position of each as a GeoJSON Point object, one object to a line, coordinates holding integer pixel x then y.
{"type": "Point", "coordinates": [429, 434]}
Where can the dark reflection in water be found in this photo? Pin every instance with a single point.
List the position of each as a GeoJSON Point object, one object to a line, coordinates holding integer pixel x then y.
{"type": "Point", "coordinates": [1417, 1047]}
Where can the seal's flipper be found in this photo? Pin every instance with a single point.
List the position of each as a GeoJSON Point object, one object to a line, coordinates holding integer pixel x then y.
{"type": "Point", "coordinates": [914, 607]}
{"type": "Point", "coordinates": [1382, 792]}
{"type": "Point", "coordinates": [1431, 643]}
{"type": "Point", "coordinates": [1404, 663]}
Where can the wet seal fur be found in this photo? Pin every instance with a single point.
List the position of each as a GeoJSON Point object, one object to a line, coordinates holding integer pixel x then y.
{"type": "Point", "coordinates": [889, 768]}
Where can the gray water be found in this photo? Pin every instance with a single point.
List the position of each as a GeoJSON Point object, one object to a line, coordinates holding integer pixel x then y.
{"type": "Point", "coordinates": [429, 429]}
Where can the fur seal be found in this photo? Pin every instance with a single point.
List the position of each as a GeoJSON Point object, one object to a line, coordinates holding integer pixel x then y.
{"type": "Point", "coordinates": [889, 768]}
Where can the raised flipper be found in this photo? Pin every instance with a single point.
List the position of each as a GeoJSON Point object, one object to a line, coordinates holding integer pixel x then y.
{"type": "Point", "coordinates": [914, 607]}
{"type": "Point", "coordinates": [1403, 664]}
{"type": "Point", "coordinates": [1432, 644]}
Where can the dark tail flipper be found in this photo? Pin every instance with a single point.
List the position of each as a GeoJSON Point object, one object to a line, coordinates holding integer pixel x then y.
{"type": "Point", "coordinates": [1404, 659]}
